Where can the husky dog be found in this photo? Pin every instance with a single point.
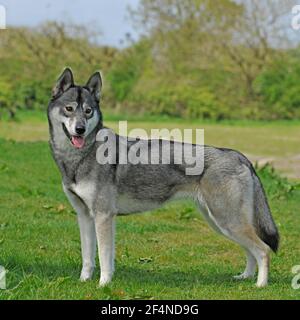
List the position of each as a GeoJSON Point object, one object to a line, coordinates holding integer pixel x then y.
{"type": "Point", "coordinates": [228, 191]}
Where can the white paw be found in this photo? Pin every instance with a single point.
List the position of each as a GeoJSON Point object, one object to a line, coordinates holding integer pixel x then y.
{"type": "Point", "coordinates": [86, 274]}
{"type": "Point", "coordinates": [243, 276]}
{"type": "Point", "coordinates": [105, 279]}
{"type": "Point", "coordinates": [261, 284]}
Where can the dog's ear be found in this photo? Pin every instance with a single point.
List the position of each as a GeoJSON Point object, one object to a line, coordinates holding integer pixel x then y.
{"type": "Point", "coordinates": [64, 82]}
{"type": "Point", "coordinates": [94, 85]}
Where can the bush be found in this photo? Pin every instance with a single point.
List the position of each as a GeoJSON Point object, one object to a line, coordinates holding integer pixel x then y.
{"type": "Point", "coordinates": [126, 71]}
{"type": "Point", "coordinates": [6, 99]}
{"type": "Point", "coordinates": [144, 80]}
{"type": "Point", "coordinates": [32, 95]}
{"type": "Point", "coordinates": [181, 101]}
{"type": "Point", "coordinates": [275, 185]}
{"type": "Point", "coordinates": [279, 88]}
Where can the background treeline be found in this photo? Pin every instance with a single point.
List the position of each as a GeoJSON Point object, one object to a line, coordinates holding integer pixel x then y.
{"type": "Point", "coordinates": [195, 59]}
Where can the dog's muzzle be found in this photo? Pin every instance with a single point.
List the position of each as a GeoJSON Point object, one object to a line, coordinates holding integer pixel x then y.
{"type": "Point", "coordinates": [77, 141]}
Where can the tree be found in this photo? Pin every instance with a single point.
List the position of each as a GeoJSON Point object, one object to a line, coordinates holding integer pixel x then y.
{"type": "Point", "coordinates": [239, 37]}
{"type": "Point", "coordinates": [32, 58]}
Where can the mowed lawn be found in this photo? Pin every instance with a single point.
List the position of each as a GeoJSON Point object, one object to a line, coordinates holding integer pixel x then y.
{"type": "Point", "coordinates": [167, 254]}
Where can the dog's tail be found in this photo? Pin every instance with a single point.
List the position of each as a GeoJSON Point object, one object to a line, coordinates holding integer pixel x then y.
{"type": "Point", "coordinates": [265, 225]}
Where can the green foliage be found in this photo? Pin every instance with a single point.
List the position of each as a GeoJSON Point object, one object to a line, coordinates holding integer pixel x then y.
{"type": "Point", "coordinates": [126, 71]}
{"type": "Point", "coordinates": [31, 95]}
{"type": "Point", "coordinates": [276, 186]}
{"type": "Point", "coordinates": [279, 88]}
{"type": "Point", "coordinates": [177, 70]}
{"type": "Point", "coordinates": [5, 93]}
{"type": "Point", "coordinates": [181, 101]}
{"type": "Point", "coordinates": [141, 88]}
{"type": "Point", "coordinates": [31, 61]}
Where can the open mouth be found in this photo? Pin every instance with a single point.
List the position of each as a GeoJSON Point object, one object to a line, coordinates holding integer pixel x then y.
{"type": "Point", "coordinates": [77, 141]}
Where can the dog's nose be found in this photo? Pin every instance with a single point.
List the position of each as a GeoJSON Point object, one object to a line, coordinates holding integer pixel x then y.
{"type": "Point", "coordinates": [80, 129]}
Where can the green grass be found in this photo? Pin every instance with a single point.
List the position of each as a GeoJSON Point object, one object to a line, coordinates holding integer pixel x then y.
{"type": "Point", "coordinates": [167, 254]}
{"type": "Point", "coordinates": [276, 142]}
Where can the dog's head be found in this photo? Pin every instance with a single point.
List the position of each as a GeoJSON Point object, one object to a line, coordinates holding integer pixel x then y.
{"type": "Point", "coordinates": [76, 108]}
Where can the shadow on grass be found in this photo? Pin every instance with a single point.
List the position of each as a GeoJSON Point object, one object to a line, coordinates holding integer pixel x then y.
{"type": "Point", "coordinates": [171, 278]}
{"type": "Point", "coordinates": [133, 275]}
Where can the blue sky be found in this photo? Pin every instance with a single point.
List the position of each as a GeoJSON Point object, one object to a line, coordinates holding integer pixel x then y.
{"type": "Point", "coordinates": [107, 15]}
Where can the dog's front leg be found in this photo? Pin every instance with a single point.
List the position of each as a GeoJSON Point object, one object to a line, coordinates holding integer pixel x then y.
{"type": "Point", "coordinates": [87, 235]}
{"type": "Point", "coordinates": [105, 236]}
{"type": "Point", "coordinates": [88, 245]}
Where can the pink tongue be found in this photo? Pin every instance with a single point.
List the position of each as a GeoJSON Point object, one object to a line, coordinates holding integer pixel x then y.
{"type": "Point", "coordinates": [78, 142]}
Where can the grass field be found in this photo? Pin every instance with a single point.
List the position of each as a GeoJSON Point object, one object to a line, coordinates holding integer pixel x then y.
{"type": "Point", "coordinates": [167, 254]}
{"type": "Point", "coordinates": [274, 142]}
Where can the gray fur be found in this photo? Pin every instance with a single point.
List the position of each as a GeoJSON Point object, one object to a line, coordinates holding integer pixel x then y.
{"type": "Point", "coordinates": [228, 192]}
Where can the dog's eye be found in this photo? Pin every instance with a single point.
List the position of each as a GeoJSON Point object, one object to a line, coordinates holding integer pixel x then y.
{"type": "Point", "coordinates": [69, 109]}
{"type": "Point", "coordinates": [88, 110]}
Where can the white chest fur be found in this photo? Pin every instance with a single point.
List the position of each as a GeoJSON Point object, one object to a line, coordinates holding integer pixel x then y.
{"type": "Point", "coordinates": [86, 191]}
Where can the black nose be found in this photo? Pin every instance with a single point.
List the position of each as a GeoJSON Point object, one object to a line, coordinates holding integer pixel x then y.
{"type": "Point", "coordinates": [80, 129]}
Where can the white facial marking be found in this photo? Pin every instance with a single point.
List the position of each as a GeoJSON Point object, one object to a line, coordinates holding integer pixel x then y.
{"type": "Point", "coordinates": [92, 122]}
{"type": "Point", "coordinates": [59, 135]}
{"type": "Point", "coordinates": [69, 125]}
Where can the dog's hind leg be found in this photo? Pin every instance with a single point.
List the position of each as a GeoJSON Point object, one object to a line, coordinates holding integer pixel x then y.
{"type": "Point", "coordinates": [245, 235]}
{"type": "Point", "coordinates": [229, 208]}
{"type": "Point", "coordinates": [258, 249]}
{"type": "Point", "coordinates": [250, 267]}
{"type": "Point", "coordinates": [261, 253]}
{"type": "Point", "coordinates": [247, 238]}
